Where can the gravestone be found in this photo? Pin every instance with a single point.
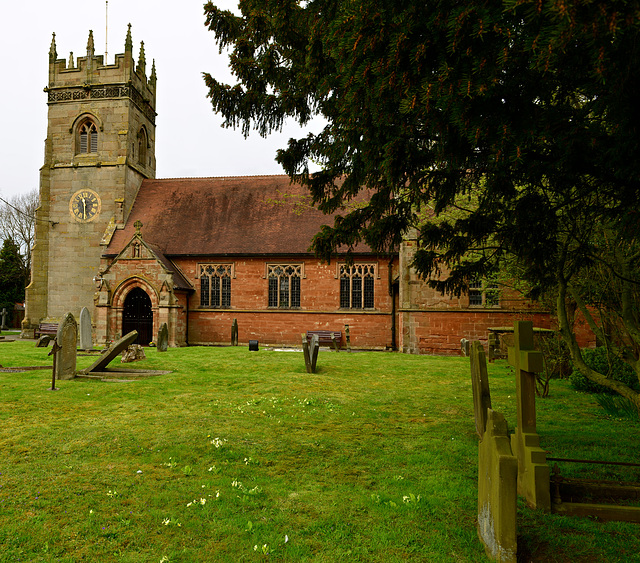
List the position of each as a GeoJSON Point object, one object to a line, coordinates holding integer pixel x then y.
{"type": "Point", "coordinates": [4, 319]}
{"type": "Point", "coordinates": [497, 491]}
{"type": "Point", "coordinates": [67, 339]}
{"type": "Point", "coordinates": [533, 470]}
{"type": "Point", "coordinates": [497, 469]}
{"type": "Point", "coordinates": [310, 351]}
{"type": "Point", "coordinates": [480, 387]}
{"type": "Point", "coordinates": [133, 353]}
{"type": "Point", "coordinates": [464, 346]}
{"type": "Point", "coordinates": [347, 336]}
{"type": "Point", "coordinates": [163, 338]}
{"type": "Point", "coordinates": [234, 332]}
{"type": "Point", "coordinates": [86, 339]}
{"type": "Point", "coordinates": [494, 346]}
{"type": "Point", "coordinates": [111, 353]}
{"type": "Point", "coordinates": [43, 341]}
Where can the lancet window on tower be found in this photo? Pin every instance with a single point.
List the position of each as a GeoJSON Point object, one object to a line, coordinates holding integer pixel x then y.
{"type": "Point", "coordinates": [87, 137]}
{"type": "Point", "coordinates": [142, 147]}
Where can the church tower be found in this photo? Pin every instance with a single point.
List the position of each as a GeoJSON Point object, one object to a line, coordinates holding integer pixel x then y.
{"type": "Point", "coordinates": [100, 146]}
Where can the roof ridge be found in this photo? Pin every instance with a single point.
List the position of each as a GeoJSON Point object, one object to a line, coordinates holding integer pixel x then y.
{"type": "Point", "coordinates": [219, 177]}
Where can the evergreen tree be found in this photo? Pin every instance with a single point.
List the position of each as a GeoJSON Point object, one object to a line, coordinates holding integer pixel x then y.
{"type": "Point", "coordinates": [12, 276]}
{"type": "Point", "coordinates": [528, 106]}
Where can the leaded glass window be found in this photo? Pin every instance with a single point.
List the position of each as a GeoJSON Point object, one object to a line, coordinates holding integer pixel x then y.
{"type": "Point", "coordinates": [284, 285]}
{"type": "Point", "coordinates": [215, 285]}
{"type": "Point", "coordinates": [484, 293]}
{"type": "Point", "coordinates": [356, 286]}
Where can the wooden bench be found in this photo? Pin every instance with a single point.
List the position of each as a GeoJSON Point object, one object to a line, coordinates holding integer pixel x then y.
{"type": "Point", "coordinates": [326, 337]}
{"type": "Point", "coordinates": [46, 328]}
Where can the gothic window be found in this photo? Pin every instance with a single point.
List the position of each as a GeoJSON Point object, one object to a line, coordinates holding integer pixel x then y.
{"type": "Point", "coordinates": [87, 137]}
{"type": "Point", "coordinates": [215, 285]}
{"type": "Point", "coordinates": [284, 285]}
{"type": "Point", "coordinates": [142, 147]}
{"type": "Point", "coordinates": [483, 293]}
{"type": "Point", "coordinates": [356, 286]}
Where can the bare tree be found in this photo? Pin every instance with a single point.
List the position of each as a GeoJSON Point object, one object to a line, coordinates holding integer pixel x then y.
{"type": "Point", "coordinates": [18, 220]}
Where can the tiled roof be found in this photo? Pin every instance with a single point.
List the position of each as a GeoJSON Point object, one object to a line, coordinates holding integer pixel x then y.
{"type": "Point", "coordinates": [246, 215]}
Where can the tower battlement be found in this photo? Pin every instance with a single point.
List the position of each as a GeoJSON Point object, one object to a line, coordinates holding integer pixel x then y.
{"type": "Point", "coordinates": [89, 78]}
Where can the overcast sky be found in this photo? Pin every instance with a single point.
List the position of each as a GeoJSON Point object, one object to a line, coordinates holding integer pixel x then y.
{"type": "Point", "coordinates": [174, 35]}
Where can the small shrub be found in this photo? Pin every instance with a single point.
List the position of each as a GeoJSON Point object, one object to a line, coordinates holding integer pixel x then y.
{"type": "Point", "coordinates": [618, 407]}
{"type": "Point", "coordinates": [607, 364]}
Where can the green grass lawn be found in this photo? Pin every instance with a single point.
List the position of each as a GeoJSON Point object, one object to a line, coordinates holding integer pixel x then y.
{"type": "Point", "coordinates": [243, 456]}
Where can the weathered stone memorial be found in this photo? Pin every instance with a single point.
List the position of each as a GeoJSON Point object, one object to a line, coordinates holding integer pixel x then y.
{"type": "Point", "coordinates": [497, 469]}
{"type": "Point", "coordinates": [465, 346]}
{"type": "Point", "coordinates": [86, 338]}
{"type": "Point", "coordinates": [310, 351]}
{"type": "Point", "coordinates": [163, 338]}
{"type": "Point", "coordinates": [533, 470]}
{"type": "Point", "coordinates": [99, 369]}
{"type": "Point", "coordinates": [234, 332]}
{"type": "Point", "coordinates": [111, 353]}
{"type": "Point", "coordinates": [4, 319]}
{"type": "Point", "coordinates": [133, 353]}
{"type": "Point", "coordinates": [43, 341]}
{"type": "Point", "coordinates": [67, 339]}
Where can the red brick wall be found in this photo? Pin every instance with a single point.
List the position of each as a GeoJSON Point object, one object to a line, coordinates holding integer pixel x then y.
{"type": "Point", "coordinates": [319, 306]}
{"type": "Point", "coordinates": [440, 332]}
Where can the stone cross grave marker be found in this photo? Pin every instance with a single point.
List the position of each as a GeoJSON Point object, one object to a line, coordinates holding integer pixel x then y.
{"type": "Point", "coordinates": [163, 338]}
{"type": "Point", "coordinates": [86, 339]}
{"type": "Point", "coordinates": [4, 319]}
{"type": "Point", "coordinates": [234, 332]}
{"type": "Point", "coordinates": [67, 339]}
{"type": "Point", "coordinates": [533, 471]}
{"type": "Point", "coordinates": [480, 386]}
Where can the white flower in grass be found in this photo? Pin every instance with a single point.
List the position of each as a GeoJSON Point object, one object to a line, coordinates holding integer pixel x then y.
{"type": "Point", "coordinates": [203, 501]}
{"type": "Point", "coordinates": [166, 521]}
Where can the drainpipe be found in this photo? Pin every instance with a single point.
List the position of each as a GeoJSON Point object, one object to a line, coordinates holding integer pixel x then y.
{"type": "Point", "coordinates": [392, 292]}
{"type": "Point", "coordinates": [186, 330]}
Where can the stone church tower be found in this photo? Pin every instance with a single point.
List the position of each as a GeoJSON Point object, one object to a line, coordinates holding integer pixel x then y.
{"type": "Point", "coordinates": [100, 146]}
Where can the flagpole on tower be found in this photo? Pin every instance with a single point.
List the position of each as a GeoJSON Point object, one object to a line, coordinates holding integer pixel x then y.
{"type": "Point", "coordinates": [106, 31]}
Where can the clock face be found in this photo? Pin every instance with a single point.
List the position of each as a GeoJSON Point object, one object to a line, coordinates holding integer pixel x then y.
{"type": "Point", "coordinates": [85, 205]}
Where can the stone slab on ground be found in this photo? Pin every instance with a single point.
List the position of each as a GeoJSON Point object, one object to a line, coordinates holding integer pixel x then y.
{"type": "Point", "coordinates": [111, 353]}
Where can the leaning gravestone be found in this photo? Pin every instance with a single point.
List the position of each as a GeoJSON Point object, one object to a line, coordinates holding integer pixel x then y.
{"type": "Point", "coordinates": [86, 339]}
{"type": "Point", "coordinates": [43, 341]}
{"type": "Point", "coordinates": [497, 469]}
{"type": "Point", "coordinates": [163, 338]}
{"type": "Point", "coordinates": [234, 332]}
{"type": "Point", "coordinates": [67, 339]}
{"type": "Point", "coordinates": [111, 353]}
{"type": "Point", "coordinates": [4, 319]}
{"type": "Point", "coordinates": [310, 351]}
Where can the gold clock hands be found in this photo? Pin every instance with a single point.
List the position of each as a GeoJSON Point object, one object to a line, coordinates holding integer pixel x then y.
{"type": "Point", "coordinates": [84, 208]}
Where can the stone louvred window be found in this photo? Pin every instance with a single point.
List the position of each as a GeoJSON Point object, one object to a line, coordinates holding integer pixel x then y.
{"type": "Point", "coordinates": [284, 285]}
{"type": "Point", "coordinates": [356, 286]}
{"type": "Point", "coordinates": [88, 137]}
{"type": "Point", "coordinates": [484, 294]}
{"type": "Point", "coordinates": [215, 285]}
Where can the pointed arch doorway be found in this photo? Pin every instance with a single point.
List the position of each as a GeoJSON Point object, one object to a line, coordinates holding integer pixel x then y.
{"type": "Point", "coordinates": [137, 314]}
